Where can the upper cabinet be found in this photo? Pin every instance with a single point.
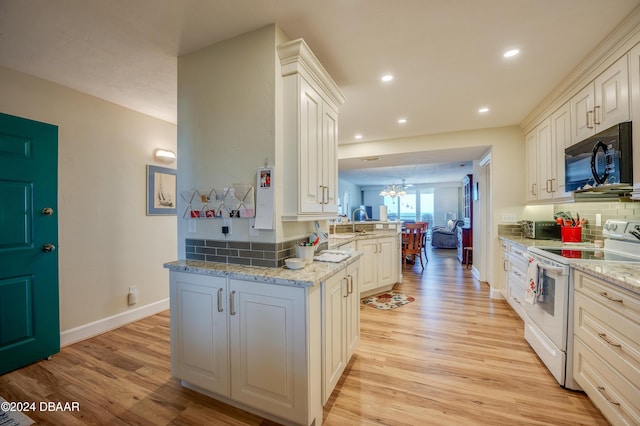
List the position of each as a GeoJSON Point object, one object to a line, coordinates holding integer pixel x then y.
{"type": "Point", "coordinates": [310, 135]}
{"type": "Point", "coordinates": [545, 146]}
{"type": "Point", "coordinates": [603, 103]}
{"type": "Point", "coordinates": [634, 79]}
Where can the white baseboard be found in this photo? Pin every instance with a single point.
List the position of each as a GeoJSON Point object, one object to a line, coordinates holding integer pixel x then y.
{"type": "Point", "coordinates": [495, 293]}
{"type": "Point", "coordinates": [86, 331]}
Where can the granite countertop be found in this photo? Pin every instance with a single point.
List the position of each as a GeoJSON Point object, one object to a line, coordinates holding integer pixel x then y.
{"type": "Point", "coordinates": [528, 242]}
{"type": "Point", "coordinates": [309, 276]}
{"type": "Point", "coordinates": [348, 237]}
{"type": "Point", "coordinates": [625, 275]}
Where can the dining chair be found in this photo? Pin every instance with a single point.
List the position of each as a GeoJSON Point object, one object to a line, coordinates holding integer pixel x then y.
{"type": "Point", "coordinates": [412, 241]}
{"type": "Point", "coordinates": [425, 227]}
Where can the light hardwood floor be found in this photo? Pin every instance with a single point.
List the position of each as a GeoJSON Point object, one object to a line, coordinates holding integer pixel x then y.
{"type": "Point", "coordinates": [452, 357]}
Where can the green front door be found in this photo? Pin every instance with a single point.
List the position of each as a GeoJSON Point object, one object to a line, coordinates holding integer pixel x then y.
{"type": "Point", "coordinates": [29, 308]}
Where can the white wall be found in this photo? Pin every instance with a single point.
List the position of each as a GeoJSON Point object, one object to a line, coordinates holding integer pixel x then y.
{"type": "Point", "coordinates": [353, 196]}
{"type": "Point", "coordinates": [106, 241]}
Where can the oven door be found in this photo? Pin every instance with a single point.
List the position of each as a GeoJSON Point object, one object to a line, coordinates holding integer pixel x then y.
{"type": "Point", "coordinates": [549, 313]}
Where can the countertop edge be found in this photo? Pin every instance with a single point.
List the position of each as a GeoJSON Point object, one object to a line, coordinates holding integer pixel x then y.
{"type": "Point", "coordinates": [624, 275]}
{"type": "Point", "coordinates": [309, 276]}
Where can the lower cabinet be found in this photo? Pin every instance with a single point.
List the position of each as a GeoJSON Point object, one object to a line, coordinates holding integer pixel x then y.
{"type": "Point", "coordinates": [254, 344]}
{"type": "Point", "coordinates": [340, 325]}
{"type": "Point", "coordinates": [516, 267]}
{"type": "Point", "coordinates": [607, 347]}
{"type": "Point", "coordinates": [379, 264]}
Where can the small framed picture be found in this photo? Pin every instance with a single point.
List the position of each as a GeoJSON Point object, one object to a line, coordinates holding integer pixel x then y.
{"type": "Point", "coordinates": [161, 191]}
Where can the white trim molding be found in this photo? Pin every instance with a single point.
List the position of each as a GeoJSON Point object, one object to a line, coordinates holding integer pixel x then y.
{"type": "Point", "coordinates": [92, 329]}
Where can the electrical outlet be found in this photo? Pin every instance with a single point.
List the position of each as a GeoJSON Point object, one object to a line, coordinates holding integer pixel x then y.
{"type": "Point", "coordinates": [192, 225]}
{"type": "Point", "coordinates": [226, 225]}
{"type": "Point", "coordinates": [598, 219]}
{"type": "Point", "coordinates": [509, 217]}
{"type": "Point", "coordinates": [132, 297]}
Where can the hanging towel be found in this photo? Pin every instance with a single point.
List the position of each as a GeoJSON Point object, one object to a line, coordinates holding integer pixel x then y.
{"type": "Point", "coordinates": [533, 282]}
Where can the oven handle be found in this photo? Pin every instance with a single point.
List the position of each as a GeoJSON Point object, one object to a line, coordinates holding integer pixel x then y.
{"type": "Point", "coordinates": [552, 268]}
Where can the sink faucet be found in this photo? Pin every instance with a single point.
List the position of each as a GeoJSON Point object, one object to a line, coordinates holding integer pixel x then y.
{"type": "Point", "coordinates": [353, 216]}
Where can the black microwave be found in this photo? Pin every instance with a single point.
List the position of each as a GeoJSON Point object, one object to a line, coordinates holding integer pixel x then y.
{"type": "Point", "coordinates": [602, 159]}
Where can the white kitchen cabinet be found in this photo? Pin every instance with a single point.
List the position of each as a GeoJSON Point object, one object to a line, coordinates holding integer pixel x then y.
{"type": "Point", "coordinates": [531, 166]}
{"type": "Point", "coordinates": [545, 146]}
{"type": "Point", "coordinates": [634, 80]}
{"type": "Point", "coordinates": [310, 135]}
{"type": "Point", "coordinates": [341, 325]}
{"type": "Point", "coordinates": [199, 331]}
{"type": "Point", "coordinates": [602, 103]}
{"type": "Point", "coordinates": [379, 264]}
{"type": "Point", "coordinates": [251, 344]}
{"type": "Point", "coordinates": [516, 269]}
{"type": "Point", "coordinates": [545, 155]}
{"type": "Point", "coordinates": [560, 140]}
{"type": "Point", "coordinates": [607, 347]}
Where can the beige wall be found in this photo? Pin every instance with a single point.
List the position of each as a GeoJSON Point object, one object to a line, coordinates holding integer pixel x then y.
{"type": "Point", "coordinates": [506, 145]}
{"type": "Point", "coordinates": [229, 123]}
{"type": "Point", "coordinates": [106, 241]}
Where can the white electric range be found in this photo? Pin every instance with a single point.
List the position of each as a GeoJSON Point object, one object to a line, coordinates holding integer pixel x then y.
{"type": "Point", "coordinates": [549, 326]}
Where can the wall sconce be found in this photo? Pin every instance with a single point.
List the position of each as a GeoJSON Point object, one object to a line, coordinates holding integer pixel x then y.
{"type": "Point", "coordinates": [164, 156]}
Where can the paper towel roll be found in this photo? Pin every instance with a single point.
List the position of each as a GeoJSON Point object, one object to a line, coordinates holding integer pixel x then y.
{"type": "Point", "coordinates": [383, 214]}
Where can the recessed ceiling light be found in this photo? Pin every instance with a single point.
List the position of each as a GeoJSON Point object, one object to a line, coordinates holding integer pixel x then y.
{"type": "Point", "coordinates": [483, 110]}
{"type": "Point", "coordinates": [358, 136]}
{"type": "Point", "coordinates": [402, 120]}
{"type": "Point", "coordinates": [386, 78]}
{"type": "Point", "coordinates": [511, 53]}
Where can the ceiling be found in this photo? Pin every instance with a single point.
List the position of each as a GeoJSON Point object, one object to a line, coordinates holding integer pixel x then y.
{"type": "Point", "coordinates": [446, 56]}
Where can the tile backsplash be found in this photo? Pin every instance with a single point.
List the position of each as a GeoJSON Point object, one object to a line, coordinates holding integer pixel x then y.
{"type": "Point", "coordinates": [271, 255]}
{"type": "Point", "coordinates": [607, 210]}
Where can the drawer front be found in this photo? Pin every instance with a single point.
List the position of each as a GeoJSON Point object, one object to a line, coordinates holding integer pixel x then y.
{"type": "Point", "coordinates": [516, 298]}
{"type": "Point", "coordinates": [518, 251]}
{"type": "Point", "coordinates": [615, 298]}
{"type": "Point", "coordinates": [615, 396]}
{"type": "Point", "coordinates": [609, 334]}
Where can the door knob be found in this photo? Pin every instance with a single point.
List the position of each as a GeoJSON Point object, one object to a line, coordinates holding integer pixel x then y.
{"type": "Point", "coordinates": [47, 211]}
{"type": "Point", "coordinates": [48, 248]}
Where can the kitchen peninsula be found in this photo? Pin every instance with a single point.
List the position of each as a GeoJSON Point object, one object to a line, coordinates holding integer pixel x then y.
{"type": "Point", "coordinates": [271, 341]}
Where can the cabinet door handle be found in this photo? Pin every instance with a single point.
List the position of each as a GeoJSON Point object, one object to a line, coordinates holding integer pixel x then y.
{"type": "Point", "coordinates": [232, 303]}
{"type": "Point", "coordinates": [603, 391]}
{"type": "Point", "coordinates": [596, 116]}
{"type": "Point", "coordinates": [554, 187]}
{"type": "Point", "coordinates": [589, 113]}
{"type": "Point", "coordinates": [325, 199]}
{"type": "Point", "coordinates": [220, 300]}
{"type": "Point", "coordinates": [322, 190]}
{"type": "Point", "coordinates": [347, 293]}
{"type": "Point", "coordinates": [350, 288]}
{"type": "Point", "coordinates": [613, 299]}
{"type": "Point", "coordinates": [604, 337]}
{"type": "Point", "coordinates": [534, 189]}
{"type": "Point", "coordinates": [505, 265]}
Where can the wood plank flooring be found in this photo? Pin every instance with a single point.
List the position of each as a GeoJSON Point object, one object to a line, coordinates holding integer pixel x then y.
{"type": "Point", "coordinates": [452, 357]}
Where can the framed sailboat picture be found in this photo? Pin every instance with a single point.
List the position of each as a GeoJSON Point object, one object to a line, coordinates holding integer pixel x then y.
{"type": "Point", "coordinates": [161, 191]}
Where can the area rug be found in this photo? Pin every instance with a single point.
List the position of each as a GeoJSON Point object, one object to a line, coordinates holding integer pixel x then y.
{"type": "Point", "coordinates": [388, 301]}
{"type": "Point", "coordinates": [11, 416]}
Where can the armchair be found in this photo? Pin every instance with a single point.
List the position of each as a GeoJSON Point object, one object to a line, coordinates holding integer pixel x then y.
{"type": "Point", "coordinates": [446, 236]}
